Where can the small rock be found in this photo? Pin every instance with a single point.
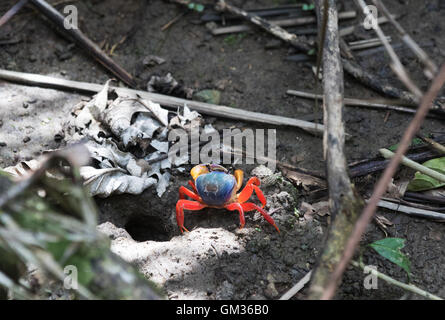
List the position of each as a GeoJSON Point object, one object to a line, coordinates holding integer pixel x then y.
{"type": "Point", "coordinates": [271, 292]}
{"type": "Point", "coordinates": [225, 292]}
{"type": "Point", "coordinates": [211, 25]}
{"type": "Point", "coordinates": [3, 144]}
{"type": "Point", "coordinates": [261, 172]}
{"type": "Point", "coordinates": [222, 84]}
{"type": "Point", "coordinates": [152, 60]}
{"type": "Point", "coordinates": [112, 231]}
{"type": "Point", "coordinates": [26, 139]}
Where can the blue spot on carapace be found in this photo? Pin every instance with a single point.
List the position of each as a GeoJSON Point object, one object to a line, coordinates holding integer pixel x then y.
{"type": "Point", "coordinates": [215, 188]}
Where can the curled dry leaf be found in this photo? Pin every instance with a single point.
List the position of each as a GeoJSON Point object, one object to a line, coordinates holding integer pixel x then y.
{"type": "Point", "coordinates": [23, 168]}
{"type": "Point", "coordinates": [123, 136]}
{"type": "Point", "coordinates": [307, 210]}
{"type": "Point", "coordinates": [104, 182]}
{"type": "Point", "coordinates": [306, 181]}
{"type": "Point", "coordinates": [321, 208]}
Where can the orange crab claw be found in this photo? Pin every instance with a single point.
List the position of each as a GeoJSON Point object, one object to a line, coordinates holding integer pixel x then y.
{"type": "Point", "coordinates": [246, 193]}
{"type": "Point", "coordinates": [187, 205]}
{"type": "Point", "coordinates": [249, 206]}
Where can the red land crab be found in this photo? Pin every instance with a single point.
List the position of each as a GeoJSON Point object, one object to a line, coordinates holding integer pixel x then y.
{"type": "Point", "coordinates": [214, 187]}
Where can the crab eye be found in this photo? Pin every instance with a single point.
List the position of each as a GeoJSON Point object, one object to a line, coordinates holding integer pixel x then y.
{"type": "Point", "coordinates": [217, 167]}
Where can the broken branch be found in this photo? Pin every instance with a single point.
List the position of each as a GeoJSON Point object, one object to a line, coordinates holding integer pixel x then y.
{"type": "Point", "coordinates": [167, 101]}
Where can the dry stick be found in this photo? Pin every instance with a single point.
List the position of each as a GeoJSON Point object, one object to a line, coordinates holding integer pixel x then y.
{"type": "Point", "coordinates": [349, 30]}
{"type": "Point", "coordinates": [174, 20]}
{"type": "Point", "coordinates": [11, 12]}
{"type": "Point", "coordinates": [396, 65]}
{"type": "Point", "coordinates": [435, 145]}
{"type": "Point", "coordinates": [384, 181]}
{"type": "Point", "coordinates": [431, 67]}
{"type": "Point", "coordinates": [408, 210]}
{"type": "Point", "coordinates": [79, 38]}
{"type": "Point", "coordinates": [167, 101]}
{"type": "Point", "coordinates": [349, 66]}
{"type": "Point", "coordinates": [365, 44]}
{"type": "Point", "coordinates": [299, 43]}
{"type": "Point", "coordinates": [300, 285]}
{"type": "Point", "coordinates": [376, 84]}
{"type": "Point", "coordinates": [344, 202]}
{"type": "Point", "coordinates": [290, 22]}
{"type": "Point", "coordinates": [357, 102]}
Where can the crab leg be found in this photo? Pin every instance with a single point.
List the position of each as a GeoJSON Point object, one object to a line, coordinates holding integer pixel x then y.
{"type": "Point", "coordinates": [236, 206]}
{"type": "Point", "coordinates": [251, 185]}
{"type": "Point", "coordinates": [192, 184]}
{"type": "Point", "coordinates": [183, 191]}
{"type": "Point", "coordinates": [187, 205]}
{"type": "Point", "coordinates": [249, 206]}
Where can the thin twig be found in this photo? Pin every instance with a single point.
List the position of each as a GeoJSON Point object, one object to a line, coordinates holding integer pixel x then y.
{"type": "Point", "coordinates": [79, 38]}
{"type": "Point", "coordinates": [411, 211]}
{"type": "Point", "coordinates": [408, 287]}
{"type": "Point", "coordinates": [299, 43]}
{"type": "Point", "coordinates": [387, 154]}
{"type": "Point", "coordinates": [384, 181]}
{"type": "Point", "coordinates": [174, 20]}
{"type": "Point", "coordinates": [11, 12]}
{"type": "Point", "coordinates": [166, 101]}
{"type": "Point", "coordinates": [290, 22]}
{"type": "Point", "coordinates": [296, 288]}
{"type": "Point", "coordinates": [430, 67]}
{"type": "Point", "coordinates": [372, 103]}
{"type": "Point", "coordinates": [435, 145]}
{"type": "Point", "coordinates": [396, 65]}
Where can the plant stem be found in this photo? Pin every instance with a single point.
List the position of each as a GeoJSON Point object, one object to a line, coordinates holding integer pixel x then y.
{"type": "Point", "coordinates": [414, 165]}
{"type": "Point", "coordinates": [408, 287]}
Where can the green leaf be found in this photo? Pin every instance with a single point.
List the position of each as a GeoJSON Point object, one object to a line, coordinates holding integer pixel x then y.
{"type": "Point", "coordinates": [307, 7]}
{"type": "Point", "coordinates": [311, 52]}
{"type": "Point", "coordinates": [414, 142]}
{"type": "Point", "coordinates": [199, 8]}
{"type": "Point", "coordinates": [389, 248]}
{"type": "Point", "coordinates": [422, 182]}
{"type": "Point", "coordinates": [196, 6]}
{"type": "Point", "coordinates": [208, 96]}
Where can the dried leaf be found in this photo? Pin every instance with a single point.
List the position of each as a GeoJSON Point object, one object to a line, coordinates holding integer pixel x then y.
{"type": "Point", "coordinates": [307, 210]}
{"type": "Point", "coordinates": [306, 181]}
{"type": "Point", "coordinates": [23, 168]}
{"type": "Point", "coordinates": [104, 182]}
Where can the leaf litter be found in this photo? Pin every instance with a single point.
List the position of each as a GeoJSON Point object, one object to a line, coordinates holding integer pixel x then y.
{"type": "Point", "coordinates": [127, 139]}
